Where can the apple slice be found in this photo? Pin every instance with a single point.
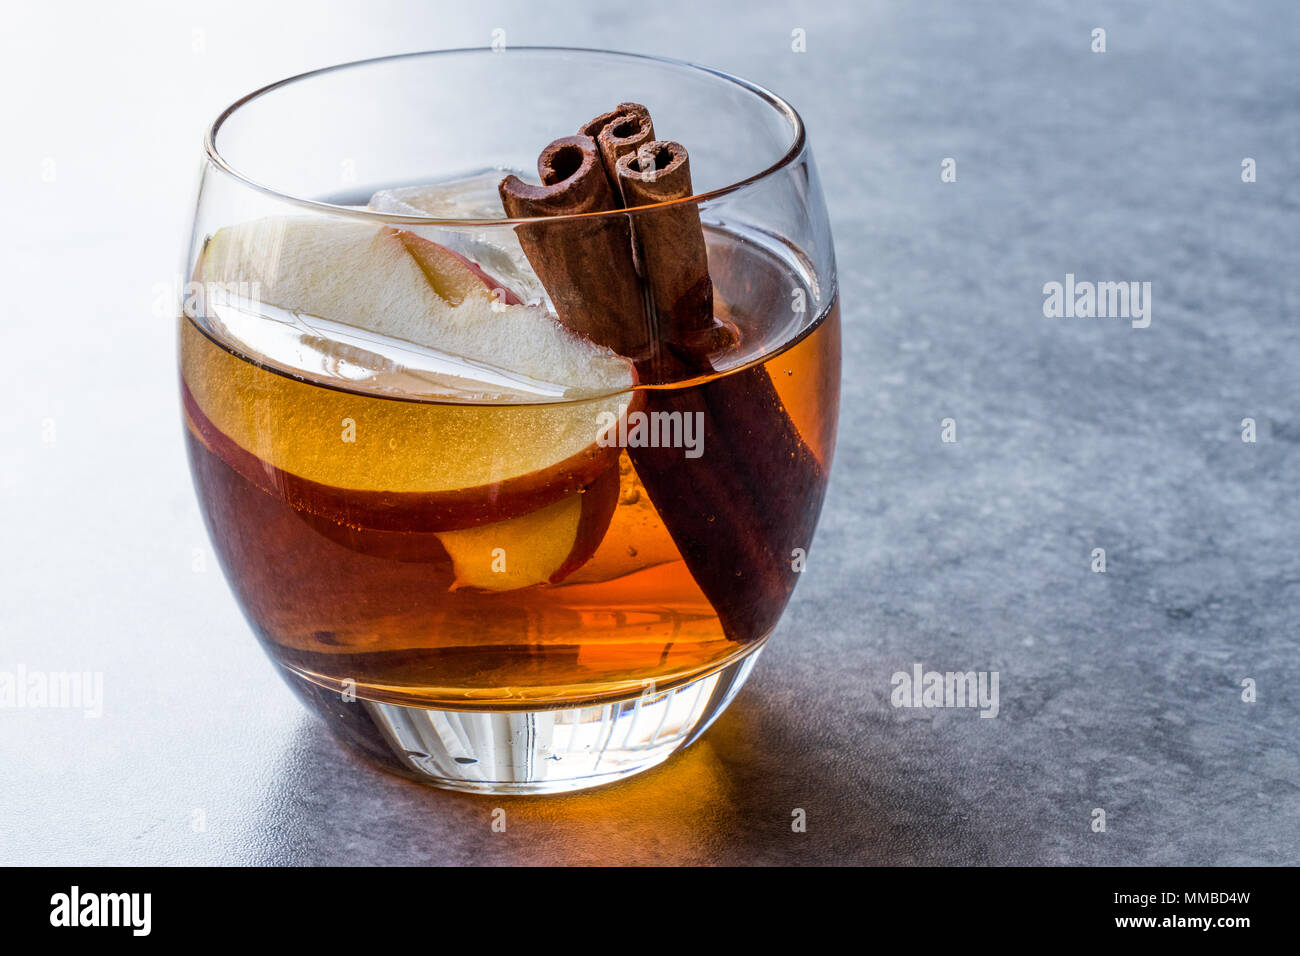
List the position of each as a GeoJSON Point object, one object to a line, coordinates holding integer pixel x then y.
{"type": "Point", "coordinates": [543, 547]}
{"type": "Point", "coordinates": [428, 466]}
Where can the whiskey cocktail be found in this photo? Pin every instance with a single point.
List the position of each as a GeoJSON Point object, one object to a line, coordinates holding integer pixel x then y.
{"type": "Point", "coordinates": [513, 473]}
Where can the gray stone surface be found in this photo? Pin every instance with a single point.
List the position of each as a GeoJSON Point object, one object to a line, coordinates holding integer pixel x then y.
{"type": "Point", "coordinates": [1118, 691]}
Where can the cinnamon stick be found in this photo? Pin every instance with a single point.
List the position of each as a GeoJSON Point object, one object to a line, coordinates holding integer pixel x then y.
{"type": "Point", "coordinates": [737, 512]}
{"type": "Point", "coordinates": [757, 478]}
{"type": "Point", "coordinates": [619, 132]}
{"type": "Point", "coordinates": [585, 265]}
{"type": "Point", "coordinates": [676, 264]}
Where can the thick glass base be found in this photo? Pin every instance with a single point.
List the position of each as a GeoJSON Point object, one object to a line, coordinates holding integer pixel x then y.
{"type": "Point", "coordinates": [540, 751]}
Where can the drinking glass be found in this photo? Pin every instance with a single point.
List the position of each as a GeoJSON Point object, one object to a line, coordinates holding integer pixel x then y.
{"type": "Point", "coordinates": [508, 513]}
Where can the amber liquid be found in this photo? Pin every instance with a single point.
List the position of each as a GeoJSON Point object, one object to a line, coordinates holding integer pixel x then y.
{"type": "Point", "coordinates": [554, 585]}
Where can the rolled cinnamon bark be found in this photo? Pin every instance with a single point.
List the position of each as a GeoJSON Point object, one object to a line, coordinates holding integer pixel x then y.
{"type": "Point", "coordinates": [585, 265]}
{"type": "Point", "coordinates": [675, 260]}
{"type": "Point", "coordinates": [618, 133]}
{"type": "Point", "coordinates": [737, 512]}
{"type": "Point", "coordinates": [593, 127]}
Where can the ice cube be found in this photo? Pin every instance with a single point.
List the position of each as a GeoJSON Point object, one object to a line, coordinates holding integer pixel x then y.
{"type": "Point", "coordinates": [495, 248]}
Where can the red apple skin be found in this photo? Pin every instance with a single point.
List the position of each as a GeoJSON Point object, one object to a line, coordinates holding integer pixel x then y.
{"type": "Point", "coordinates": [410, 239]}
{"type": "Point", "coordinates": [598, 504]}
{"type": "Point", "coordinates": [599, 501]}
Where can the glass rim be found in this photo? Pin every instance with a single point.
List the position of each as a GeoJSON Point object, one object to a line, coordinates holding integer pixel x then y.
{"type": "Point", "coordinates": [780, 104]}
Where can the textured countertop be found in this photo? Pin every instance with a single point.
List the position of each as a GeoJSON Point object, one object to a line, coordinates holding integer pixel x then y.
{"type": "Point", "coordinates": [1120, 691]}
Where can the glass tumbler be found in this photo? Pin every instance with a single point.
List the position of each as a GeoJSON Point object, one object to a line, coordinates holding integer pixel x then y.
{"type": "Point", "coordinates": [510, 383]}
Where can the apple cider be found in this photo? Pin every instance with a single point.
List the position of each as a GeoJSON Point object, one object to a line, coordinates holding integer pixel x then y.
{"type": "Point", "coordinates": [391, 535]}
